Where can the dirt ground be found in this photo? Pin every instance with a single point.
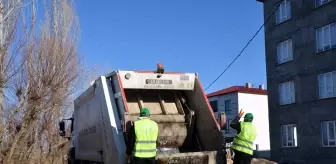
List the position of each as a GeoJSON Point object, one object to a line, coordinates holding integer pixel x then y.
{"type": "Point", "coordinates": [262, 161]}
{"type": "Point", "coordinates": [254, 160]}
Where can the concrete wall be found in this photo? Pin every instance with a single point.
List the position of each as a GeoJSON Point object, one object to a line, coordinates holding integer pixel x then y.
{"type": "Point", "coordinates": [308, 111]}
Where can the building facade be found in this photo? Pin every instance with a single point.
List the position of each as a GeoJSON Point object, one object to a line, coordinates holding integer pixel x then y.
{"type": "Point", "coordinates": [254, 100]}
{"type": "Point", "coordinates": [300, 43]}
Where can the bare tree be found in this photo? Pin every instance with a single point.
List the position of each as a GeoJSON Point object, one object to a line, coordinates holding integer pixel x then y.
{"type": "Point", "coordinates": [9, 45]}
{"type": "Point", "coordinates": [39, 72]}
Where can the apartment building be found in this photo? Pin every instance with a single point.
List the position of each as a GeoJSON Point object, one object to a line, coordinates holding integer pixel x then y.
{"type": "Point", "coordinates": [300, 41]}
{"type": "Point", "coordinates": [254, 100]}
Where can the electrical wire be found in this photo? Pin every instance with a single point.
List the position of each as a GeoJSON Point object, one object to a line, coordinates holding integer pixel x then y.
{"type": "Point", "coordinates": [248, 43]}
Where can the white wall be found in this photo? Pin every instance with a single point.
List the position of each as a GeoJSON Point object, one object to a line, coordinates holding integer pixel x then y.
{"type": "Point", "coordinates": [258, 106]}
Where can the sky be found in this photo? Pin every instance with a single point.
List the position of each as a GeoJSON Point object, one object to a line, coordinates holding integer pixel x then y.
{"type": "Point", "coordinates": [185, 35]}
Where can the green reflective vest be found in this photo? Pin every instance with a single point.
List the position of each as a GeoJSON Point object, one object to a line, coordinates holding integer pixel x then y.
{"type": "Point", "coordinates": [146, 134]}
{"type": "Point", "coordinates": [243, 141]}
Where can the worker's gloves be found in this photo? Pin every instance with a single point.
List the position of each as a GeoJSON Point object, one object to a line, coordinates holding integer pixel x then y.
{"type": "Point", "coordinates": [241, 113]}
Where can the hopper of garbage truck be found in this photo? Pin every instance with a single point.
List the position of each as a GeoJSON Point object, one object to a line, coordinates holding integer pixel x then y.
{"type": "Point", "coordinates": [178, 104]}
{"type": "Point", "coordinates": [166, 110]}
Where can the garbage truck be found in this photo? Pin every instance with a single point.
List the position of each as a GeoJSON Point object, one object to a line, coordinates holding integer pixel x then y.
{"type": "Point", "coordinates": [189, 130]}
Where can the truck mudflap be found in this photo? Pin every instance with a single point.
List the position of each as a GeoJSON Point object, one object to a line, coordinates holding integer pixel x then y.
{"type": "Point", "coordinates": [206, 157]}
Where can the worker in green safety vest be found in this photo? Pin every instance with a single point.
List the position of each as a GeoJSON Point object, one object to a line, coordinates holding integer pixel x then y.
{"type": "Point", "coordinates": [142, 139]}
{"type": "Point", "coordinates": [243, 142]}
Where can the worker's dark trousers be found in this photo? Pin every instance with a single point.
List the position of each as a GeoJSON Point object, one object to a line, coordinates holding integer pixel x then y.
{"type": "Point", "coordinates": [137, 160]}
{"type": "Point", "coordinates": [241, 158]}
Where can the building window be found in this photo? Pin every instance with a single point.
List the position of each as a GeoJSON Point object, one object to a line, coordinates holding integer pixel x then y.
{"type": "Point", "coordinates": [327, 85]}
{"type": "Point", "coordinates": [287, 93]}
{"type": "Point", "coordinates": [214, 106]}
{"type": "Point", "coordinates": [319, 3]}
{"type": "Point", "coordinates": [328, 133]}
{"type": "Point", "coordinates": [288, 135]}
{"type": "Point", "coordinates": [326, 37]}
{"type": "Point", "coordinates": [283, 13]}
{"type": "Point", "coordinates": [227, 106]}
{"type": "Point", "coordinates": [285, 51]}
{"type": "Point", "coordinates": [227, 127]}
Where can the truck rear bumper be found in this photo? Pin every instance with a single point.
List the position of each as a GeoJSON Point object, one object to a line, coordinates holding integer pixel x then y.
{"type": "Point", "coordinates": [206, 157]}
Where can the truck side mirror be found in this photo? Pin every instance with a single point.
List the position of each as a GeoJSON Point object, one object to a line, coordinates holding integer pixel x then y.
{"type": "Point", "coordinates": [62, 128]}
{"type": "Point", "coordinates": [221, 119]}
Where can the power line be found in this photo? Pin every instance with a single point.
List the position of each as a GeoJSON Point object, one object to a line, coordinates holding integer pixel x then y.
{"type": "Point", "coordinates": [248, 43]}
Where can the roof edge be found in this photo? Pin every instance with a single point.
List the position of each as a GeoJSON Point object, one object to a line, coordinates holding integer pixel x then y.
{"type": "Point", "coordinates": [238, 89]}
